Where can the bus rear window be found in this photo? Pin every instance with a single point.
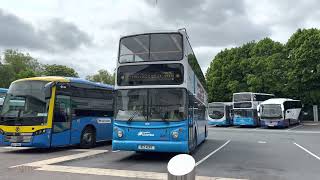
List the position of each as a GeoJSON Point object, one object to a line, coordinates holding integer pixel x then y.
{"type": "Point", "coordinates": [241, 97]}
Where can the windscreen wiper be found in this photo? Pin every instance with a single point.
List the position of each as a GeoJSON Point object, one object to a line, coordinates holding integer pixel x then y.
{"type": "Point", "coordinates": [132, 116]}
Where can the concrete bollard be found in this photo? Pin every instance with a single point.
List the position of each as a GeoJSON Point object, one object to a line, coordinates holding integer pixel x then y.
{"type": "Point", "coordinates": [182, 167]}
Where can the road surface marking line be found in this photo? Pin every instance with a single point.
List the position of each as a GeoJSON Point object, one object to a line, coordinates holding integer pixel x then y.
{"type": "Point", "coordinates": [63, 158]}
{"type": "Point", "coordinates": [306, 150]}
{"type": "Point", "coordinates": [262, 142]}
{"type": "Point", "coordinates": [213, 152]}
{"type": "Point", "coordinates": [294, 127]}
{"type": "Point", "coordinates": [267, 130]}
{"type": "Point", "coordinates": [116, 151]}
{"type": "Point", "coordinates": [116, 172]}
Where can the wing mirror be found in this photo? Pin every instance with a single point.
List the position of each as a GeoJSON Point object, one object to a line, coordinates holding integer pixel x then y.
{"type": "Point", "coordinates": [48, 89]}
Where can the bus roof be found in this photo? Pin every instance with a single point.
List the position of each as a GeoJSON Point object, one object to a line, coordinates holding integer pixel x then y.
{"type": "Point", "coordinates": [277, 100]}
{"type": "Point", "coordinates": [253, 93]}
{"type": "Point", "coordinates": [226, 103]}
{"type": "Point", "coordinates": [67, 79]}
{"type": "Point", "coordinates": [153, 32]}
{"type": "Point", "coordinates": [3, 90]}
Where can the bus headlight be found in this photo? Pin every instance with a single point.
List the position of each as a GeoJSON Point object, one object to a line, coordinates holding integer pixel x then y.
{"type": "Point", "coordinates": [175, 134]}
{"type": "Point", "coordinates": [41, 131]}
{"type": "Point", "coordinates": [1, 132]}
{"type": "Point", "coordinates": [120, 134]}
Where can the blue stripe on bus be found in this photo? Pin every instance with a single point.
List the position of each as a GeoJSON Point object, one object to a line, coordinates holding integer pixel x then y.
{"type": "Point", "coordinates": [243, 121]}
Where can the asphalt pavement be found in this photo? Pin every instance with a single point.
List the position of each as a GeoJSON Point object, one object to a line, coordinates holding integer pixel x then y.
{"type": "Point", "coordinates": [229, 152]}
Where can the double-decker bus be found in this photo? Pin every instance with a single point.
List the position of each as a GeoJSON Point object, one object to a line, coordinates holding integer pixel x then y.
{"type": "Point", "coordinates": [161, 95]}
{"type": "Point", "coordinates": [220, 113]}
{"type": "Point", "coordinates": [3, 93]}
{"type": "Point", "coordinates": [279, 112]}
{"type": "Point", "coordinates": [245, 108]}
{"type": "Point", "coordinates": [49, 112]}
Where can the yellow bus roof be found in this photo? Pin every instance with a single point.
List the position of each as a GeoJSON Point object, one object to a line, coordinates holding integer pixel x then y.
{"type": "Point", "coordinates": [45, 78]}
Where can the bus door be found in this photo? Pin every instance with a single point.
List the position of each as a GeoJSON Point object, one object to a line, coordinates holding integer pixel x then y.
{"type": "Point", "coordinates": [61, 131]}
{"type": "Point", "coordinates": [191, 122]}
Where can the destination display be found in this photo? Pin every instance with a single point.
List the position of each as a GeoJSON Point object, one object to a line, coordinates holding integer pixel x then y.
{"type": "Point", "coordinates": [150, 74]}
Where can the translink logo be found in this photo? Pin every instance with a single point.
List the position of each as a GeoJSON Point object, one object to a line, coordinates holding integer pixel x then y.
{"type": "Point", "coordinates": [141, 133]}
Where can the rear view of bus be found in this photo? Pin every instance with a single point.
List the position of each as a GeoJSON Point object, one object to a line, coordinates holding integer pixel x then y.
{"type": "Point", "coordinates": [220, 113]}
{"type": "Point", "coordinates": [48, 112]}
{"type": "Point", "coordinates": [279, 112]}
{"type": "Point", "coordinates": [245, 108]}
{"type": "Point", "coordinates": [160, 95]}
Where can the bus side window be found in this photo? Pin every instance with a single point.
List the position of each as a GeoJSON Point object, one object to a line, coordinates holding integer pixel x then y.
{"type": "Point", "coordinates": [61, 121]}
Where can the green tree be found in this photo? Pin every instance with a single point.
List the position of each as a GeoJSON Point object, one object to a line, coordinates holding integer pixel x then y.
{"type": "Point", "coordinates": [303, 51]}
{"type": "Point", "coordinates": [59, 70]}
{"type": "Point", "coordinates": [17, 65]}
{"type": "Point", "coordinates": [7, 75]}
{"type": "Point", "coordinates": [254, 66]}
{"type": "Point", "coordinates": [103, 76]}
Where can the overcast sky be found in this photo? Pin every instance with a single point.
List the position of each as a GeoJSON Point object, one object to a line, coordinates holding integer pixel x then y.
{"type": "Point", "coordinates": [85, 34]}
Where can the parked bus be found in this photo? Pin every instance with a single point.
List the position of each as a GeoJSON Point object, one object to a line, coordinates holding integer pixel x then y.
{"type": "Point", "coordinates": [220, 113]}
{"type": "Point", "coordinates": [279, 112]}
{"type": "Point", "coordinates": [56, 111]}
{"type": "Point", "coordinates": [3, 93]}
{"type": "Point", "coordinates": [161, 97]}
{"type": "Point", "coordinates": [245, 107]}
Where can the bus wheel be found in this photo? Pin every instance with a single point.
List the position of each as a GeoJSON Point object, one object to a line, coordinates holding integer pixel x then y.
{"type": "Point", "coordinates": [88, 138]}
{"type": "Point", "coordinates": [194, 143]}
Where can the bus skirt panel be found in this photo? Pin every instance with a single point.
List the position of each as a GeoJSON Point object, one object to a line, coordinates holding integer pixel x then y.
{"type": "Point", "coordinates": [151, 146]}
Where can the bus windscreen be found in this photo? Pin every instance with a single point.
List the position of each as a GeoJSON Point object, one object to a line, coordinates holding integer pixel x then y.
{"type": "Point", "coordinates": [25, 104]}
{"type": "Point", "coordinates": [151, 47]}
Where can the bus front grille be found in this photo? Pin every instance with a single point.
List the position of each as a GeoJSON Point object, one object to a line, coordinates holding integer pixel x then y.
{"type": "Point", "coordinates": [17, 139]}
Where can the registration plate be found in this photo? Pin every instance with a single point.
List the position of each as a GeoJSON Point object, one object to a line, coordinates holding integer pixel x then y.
{"type": "Point", "coordinates": [272, 124]}
{"type": "Point", "coordinates": [146, 147]}
{"type": "Point", "coordinates": [15, 144]}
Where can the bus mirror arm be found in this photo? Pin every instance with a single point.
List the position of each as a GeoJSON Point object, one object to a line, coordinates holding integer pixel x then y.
{"type": "Point", "coordinates": [48, 89]}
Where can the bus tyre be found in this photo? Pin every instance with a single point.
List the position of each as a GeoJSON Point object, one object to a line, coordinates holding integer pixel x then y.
{"type": "Point", "coordinates": [194, 143]}
{"type": "Point", "coordinates": [88, 138]}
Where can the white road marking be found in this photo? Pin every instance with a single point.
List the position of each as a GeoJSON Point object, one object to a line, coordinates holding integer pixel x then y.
{"type": "Point", "coordinates": [62, 159]}
{"type": "Point", "coordinates": [262, 142]}
{"type": "Point", "coordinates": [46, 165]}
{"type": "Point", "coordinates": [294, 127]}
{"type": "Point", "coordinates": [306, 150]}
{"type": "Point", "coordinates": [117, 173]}
{"type": "Point", "coordinates": [265, 130]}
{"type": "Point", "coordinates": [311, 124]}
{"type": "Point", "coordinates": [116, 151]}
{"type": "Point", "coordinates": [213, 152]}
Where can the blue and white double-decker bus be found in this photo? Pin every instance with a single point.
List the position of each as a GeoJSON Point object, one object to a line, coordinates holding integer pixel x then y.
{"type": "Point", "coordinates": [161, 97]}
{"type": "Point", "coordinates": [220, 113]}
{"type": "Point", "coordinates": [245, 108]}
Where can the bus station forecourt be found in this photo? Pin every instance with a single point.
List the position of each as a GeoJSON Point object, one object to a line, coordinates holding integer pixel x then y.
{"type": "Point", "coordinates": [70, 128]}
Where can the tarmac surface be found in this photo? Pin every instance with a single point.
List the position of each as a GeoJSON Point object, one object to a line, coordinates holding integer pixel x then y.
{"type": "Point", "coordinates": [228, 152]}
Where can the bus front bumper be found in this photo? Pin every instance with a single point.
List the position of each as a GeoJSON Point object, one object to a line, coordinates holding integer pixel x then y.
{"type": "Point", "coordinates": [151, 146]}
{"type": "Point", "coordinates": [218, 123]}
{"type": "Point", "coordinates": [274, 123]}
{"type": "Point", "coordinates": [38, 141]}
